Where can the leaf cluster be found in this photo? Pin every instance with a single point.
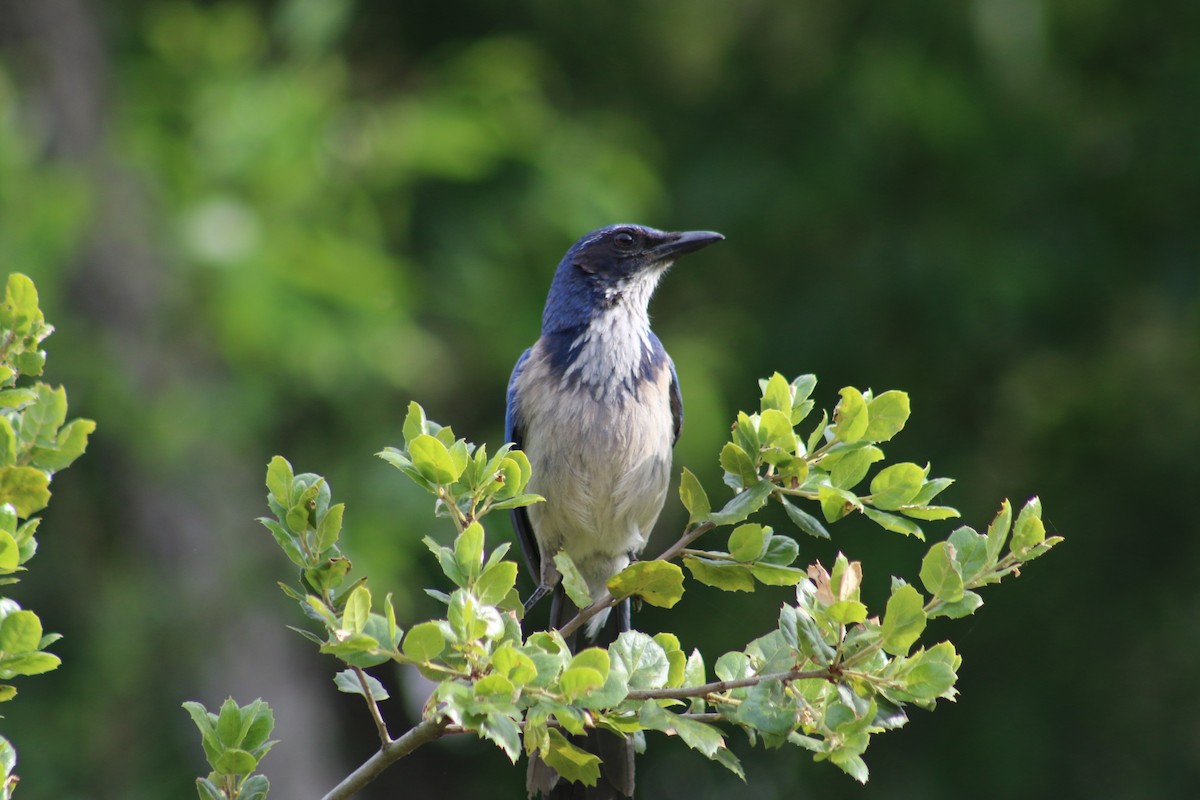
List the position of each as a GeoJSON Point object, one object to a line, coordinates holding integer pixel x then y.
{"type": "Point", "coordinates": [235, 740]}
{"type": "Point", "coordinates": [827, 676]}
{"type": "Point", "coordinates": [36, 441]}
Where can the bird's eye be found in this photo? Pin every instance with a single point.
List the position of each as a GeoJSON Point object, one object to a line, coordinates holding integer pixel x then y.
{"type": "Point", "coordinates": [624, 241]}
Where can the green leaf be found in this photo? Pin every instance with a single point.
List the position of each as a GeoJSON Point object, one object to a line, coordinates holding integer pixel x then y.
{"type": "Point", "coordinates": [643, 659]}
{"type": "Point", "coordinates": [235, 761]}
{"type": "Point", "coordinates": [903, 621]}
{"type": "Point", "coordinates": [28, 664]}
{"type": "Point", "coordinates": [968, 604]}
{"type": "Point", "coordinates": [207, 790]}
{"type": "Point", "coordinates": [201, 717]}
{"type": "Point", "coordinates": [997, 532]}
{"type": "Point", "coordinates": [330, 527]}
{"type": "Point", "coordinates": [931, 489]}
{"type": "Point", "coordinates": [1029, 529]}
{"type": "Point", "coordinates": [262, 722]}
{"type": "Point", "coordinates": [887, 414]}
{"type": "Point", "coordinates": [931, 513]}
{"type": "Point", "coordinates": [894, 523]}
{"type": "Point", "coordinates": [27, 488]}
{"type": "Point", "coordinates": [229, 725]}
{"type": "Point", "coordinates": [254, 788]}
{"type": "Point", "coordinates": [970, 552]}
{"type": "Point", "coordinates": [20, 312]}
{"type": "Point", "coordinates": [775, 429]}
{"type": "Point", "coordinates": [357, 610]}
{"type": "Point", "coordinates": [569, 761]}
{"type": "Point", "coordinates": [69, 445]}
{"type": "Point", "coordinates": [896, 485]}
{"type": "Point", "coordinates": [696, 735]}
{"type": "Point", "coordinates": [803, 520]}
{"type": "Point", "coordinates": [724, 575]}
{"type": "Point", "coordinates": [694, 498]}
{"type": "Point", "coordinates": [496, 582]}
{"type": "Point", "coordinates": [836, 503]}
{"type": "Point", "coordinates": [432, 459]}
{"type": "Point", "coordinates": [850, 416]}
{"type": "Point", "coordinates": [743, 504]}
{"type": "Point", "coordinates": [279, 479]}
{"type": "Point", "coordinates": [414, 423]}
{"type": "Point", "coordinates": [768, 709]}
{"type": "Point", "coordinates": [748, 542]}
{"type": "Point", "coordinates": [468, 550]}
{"type": "Point", "coordinates": [10, 552]}
{"type": "Point", "coordinates": [7, 692]}
{"type": "Point", "coordinates": [738, 463]}
{"type": "Point", "coordinates": [424, 642]}
{"type": "Point", "coordinates": [774, 575]}
{"type": "Point", "coordinates": [347, 681]}
{"type": "Point", "coordinates": [781, 551]}
{"type": "Point", "coordinates": [20, 632]}
{"type": "Point", "coordinates": [572, 580]}
{"type": "Point", "coordinates": [578, 681]}
{"type": "Point", "coordinates": [849, 469]}
{"type": "Point", "coordinates": [514, 665]}
{"type": "Point", "coordinates": [659, 583]}
{"type": "Point", "coordinates": [776, 394]}
{"type": "Point", "coordinates": [940, 573]}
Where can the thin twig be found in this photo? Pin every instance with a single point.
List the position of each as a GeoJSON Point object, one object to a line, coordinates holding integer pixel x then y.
{"type": "Point", "coordinates": [422, 733]}
{"type": "Point", "coordinates": [385, 738]}
{"type": "Point", "coordinates": [716, 687]}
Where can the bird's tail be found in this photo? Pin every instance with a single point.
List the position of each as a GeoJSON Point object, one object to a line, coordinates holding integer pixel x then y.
{"type": "Point", "coordinates": [615, 751]}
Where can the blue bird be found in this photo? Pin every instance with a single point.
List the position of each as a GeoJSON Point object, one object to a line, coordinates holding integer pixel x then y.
{"type": "Point", "coordinates": [595, 405]}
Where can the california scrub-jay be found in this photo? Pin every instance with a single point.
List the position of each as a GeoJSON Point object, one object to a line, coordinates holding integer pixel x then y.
{"type": "Point", "coordinates": [595, 405]}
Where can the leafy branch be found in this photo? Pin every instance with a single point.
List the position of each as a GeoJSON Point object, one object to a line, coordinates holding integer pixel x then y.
{"type": "Point", "coordinates": [36, 442]}
{"type": "Point", "coordinates": [825, 677]}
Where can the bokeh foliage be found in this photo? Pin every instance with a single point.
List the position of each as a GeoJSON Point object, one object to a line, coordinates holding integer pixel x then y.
{"type": "Point", "coordinates": [265, 226]}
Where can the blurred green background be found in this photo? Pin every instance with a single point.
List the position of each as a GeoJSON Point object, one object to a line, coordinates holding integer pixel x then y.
{"type": "Point", "coordinates": [264, 227]}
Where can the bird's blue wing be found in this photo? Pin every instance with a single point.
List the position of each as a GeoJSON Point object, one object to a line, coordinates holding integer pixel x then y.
{"type": "Point", "coordinates": [514, 431]}
{"type": "Point", "coordinates": [676, 402]}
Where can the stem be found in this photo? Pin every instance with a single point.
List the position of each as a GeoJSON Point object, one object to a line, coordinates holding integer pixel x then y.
{"type": "Point", "coordinates": [385, 738]}
{"type": "Point", "coordinates": [724, 686]}
{"type": "Point", "coordinates": [423, 733]}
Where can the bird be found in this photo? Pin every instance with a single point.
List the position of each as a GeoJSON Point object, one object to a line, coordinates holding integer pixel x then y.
{"type": "Point", "coordinates": [596, 407]}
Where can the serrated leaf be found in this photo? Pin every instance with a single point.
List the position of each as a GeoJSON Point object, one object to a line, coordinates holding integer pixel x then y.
{"type": "Point", "coordinates": [569, 761]}
{"type": "Point", "coordinates": [997, 532]}
{"type": "Point", "coordinates": [696, 735]}
{"type": "Point", "coordinates": [940, 573]}
{"type": "Point", "coordinates": [659, 583]}
{"type": "Point", "coordinates": [737, 462]}
{"type": "Point", "coordinates": [1029, 529]}
{"type": "Point", "coordinates": [776, 394]}
{"type": "Point", "coordinates": [903, 621]}
{"type": "Point", "coordinates": [968, 604]}
{"type": "Point", "coordinates": [930, 513]}
{"type": "Point", "coordinates": [27, 488]}
{"type": "Point", "coordinates": [644, 660]}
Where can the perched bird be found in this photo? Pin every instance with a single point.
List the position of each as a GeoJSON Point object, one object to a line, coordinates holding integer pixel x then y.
{"type": "Point", "coordinates": [595, 405]}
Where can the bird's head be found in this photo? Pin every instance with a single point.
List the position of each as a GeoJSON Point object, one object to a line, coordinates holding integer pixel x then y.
{"type": "Point", "coordinates": [615, 266]}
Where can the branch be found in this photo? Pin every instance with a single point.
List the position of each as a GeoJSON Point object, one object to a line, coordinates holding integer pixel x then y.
{"type": "Point", "coordinates": [385, 738]}
{"type": "Point", "coordinates": [423, 733]}
{"type": "Point", "coordinates": [607, 600]}
{"type": "Point", "coordinates": [724, 686]}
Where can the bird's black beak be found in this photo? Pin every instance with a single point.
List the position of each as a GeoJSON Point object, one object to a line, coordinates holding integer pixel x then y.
{"type": "Point", "coordinates": [686, 242]}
